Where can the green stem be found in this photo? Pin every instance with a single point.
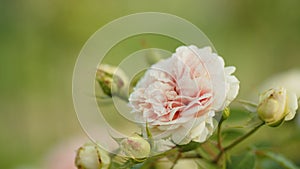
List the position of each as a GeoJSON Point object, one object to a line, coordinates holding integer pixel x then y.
{"type": "Point", "coordinates": [237, 141]}
{"type": "Point", "coordinates": [243, 137]}
{"type": "Point", "coordinates": [191, 156]}
{"type": "Point", "coordinates": [176, 160]}
{"type": "Point", "coordinates": [219, 135]}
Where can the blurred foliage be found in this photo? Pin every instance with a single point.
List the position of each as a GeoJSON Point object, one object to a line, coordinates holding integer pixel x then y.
{"type": "Point", "coordinates": [40, 40]}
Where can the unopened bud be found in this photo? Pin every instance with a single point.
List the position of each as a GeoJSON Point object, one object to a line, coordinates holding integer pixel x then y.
{"type": "Point", "coordinates": [90, 156]}
{"type": "Point", "coordinates": [226, 113]}
{"type": "Point", "coordinates": [277, 105]}
{"type": "Point", "coordinates": [112, 80]}
{"type": "Point", "coordinates": [135, 147]}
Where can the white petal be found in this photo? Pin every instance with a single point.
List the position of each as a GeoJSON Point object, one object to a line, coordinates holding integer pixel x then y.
{"type": "Point", "coordinates": [232, 85]}
{"type": "Point", "coordinates": [293, 106]}
{"type": "Point", "coordinates": [179, 136]}
{"type": "Point", "coordinates": [214, 65]}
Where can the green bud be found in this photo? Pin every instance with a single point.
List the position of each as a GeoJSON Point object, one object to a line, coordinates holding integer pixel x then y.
{"type": "Point", "coordinates": [226, 113]}
{"type": "Point", "coordinates": [91, 156]}
{"type": "Point", "coordinates": [275, 106]}
{"type": "Point", "coordinates": [112, 80]}
{"type": "Point", "coordinates": [135, 147]}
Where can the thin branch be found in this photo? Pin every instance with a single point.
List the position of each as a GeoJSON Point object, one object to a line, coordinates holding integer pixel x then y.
{"type": "Point", "coordinates": [195, 155]}
{"type": "Point", "coordinates": [176, 160]}
{"type": "Point", "coordinates": [237, 141]}
{"type": "Point", "coordinates": [243, 137]}
{"type": "Point", "coordinates": [220, 135]}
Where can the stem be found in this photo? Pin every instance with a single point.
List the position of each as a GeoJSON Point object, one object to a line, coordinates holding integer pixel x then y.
{"type": "Point", "coordinates": [219, 135]}
{"type": "Point", "coordinates": [236, 142]}
{"type": "Point", "coordinates": [207, 148]}
{"type": "Point", "coordinates": [176, 160]}
{"type": "Point", "coordinates": [243, 137]}
{"type": "Point", "coordinates": [189, 156]}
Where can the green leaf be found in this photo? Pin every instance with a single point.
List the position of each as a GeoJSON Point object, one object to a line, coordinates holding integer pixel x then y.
{"type": "Point", "coordinates": [244, 161]}
{"type": "Point", "coordinates": [269, 164]}
{"type": "Point", "coordinates": [281, 160]}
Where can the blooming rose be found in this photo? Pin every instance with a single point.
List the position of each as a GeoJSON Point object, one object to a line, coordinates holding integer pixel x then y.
{"type": "Point", "coordinates": [179, 96]}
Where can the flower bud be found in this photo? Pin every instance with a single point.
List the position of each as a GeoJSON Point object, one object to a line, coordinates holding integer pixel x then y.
{"type": "Point", "coordinates": [226, 113]}
{"type": "Point", "coordinates": [277, 105]}
{"type": "Point", "coordinates": [135, 147]}
{"type": "Point", "coordinates": [90, 156]}
{"type": "Point", "coordinates": [112, 80]}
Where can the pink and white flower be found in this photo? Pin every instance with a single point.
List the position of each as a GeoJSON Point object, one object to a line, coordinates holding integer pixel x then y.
{"type": "Point", "coordinates": [179, 97]}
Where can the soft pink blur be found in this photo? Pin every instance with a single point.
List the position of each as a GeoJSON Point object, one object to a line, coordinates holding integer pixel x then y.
{"type": "Point", "coordinates": [62, 156]}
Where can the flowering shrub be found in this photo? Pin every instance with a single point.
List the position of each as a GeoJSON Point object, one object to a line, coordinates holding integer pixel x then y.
{"type": "Point", "coordinates": [179, 103]}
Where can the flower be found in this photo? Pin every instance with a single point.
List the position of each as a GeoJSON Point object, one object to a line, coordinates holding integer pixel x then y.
{"type": "Point", "coordinates": [277, 105]}
{"type": "Point", "coordinates": [179, 96]}
{"type": "Point", "coordinates": [135, 147]}
{"type": "Point", "coordinates": [289, 79]}
{"type": "Point", "coordinates": [91, 156]}
{"type": "Point", "coordinates": [112, 80]}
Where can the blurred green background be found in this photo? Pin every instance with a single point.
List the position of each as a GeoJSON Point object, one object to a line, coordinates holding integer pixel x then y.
{"type": "Point", "coordinates": [41, 39]}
